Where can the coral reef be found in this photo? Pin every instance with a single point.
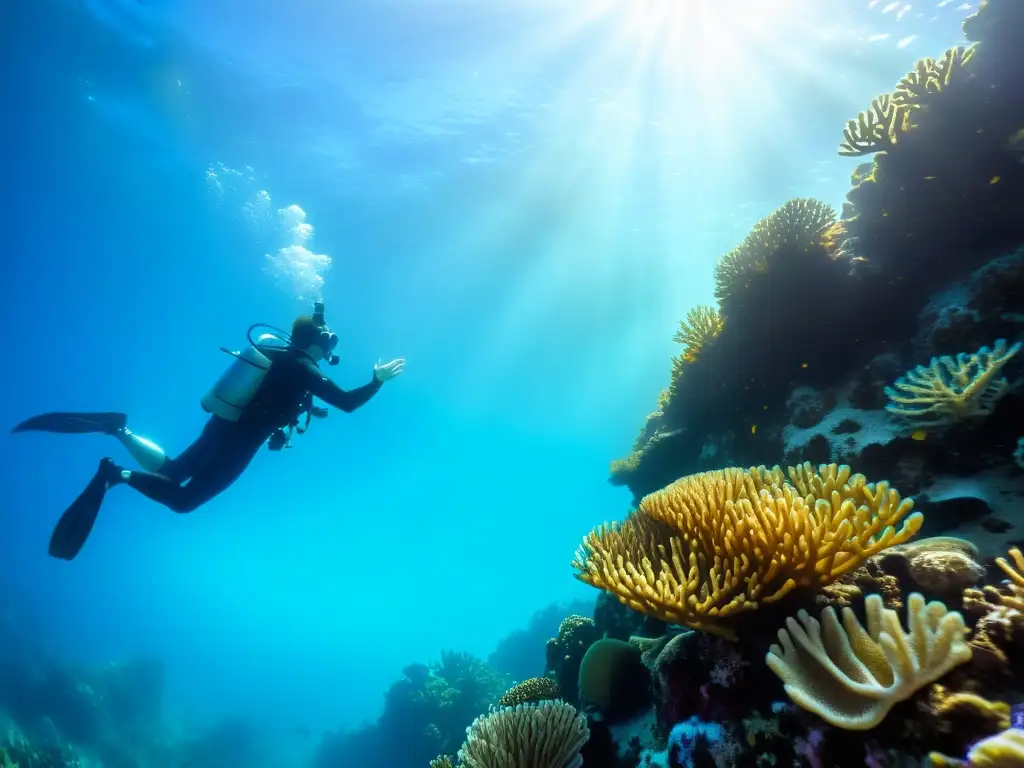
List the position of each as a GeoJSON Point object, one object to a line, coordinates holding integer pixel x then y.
{"type": "Point", "coordinates": [814, 358]}
{"type": "Point", "coordinates": [431, 706]}
{"type": "Point", "coordinates": [826, 311]}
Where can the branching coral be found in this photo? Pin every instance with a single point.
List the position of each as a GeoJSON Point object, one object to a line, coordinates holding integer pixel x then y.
{"type": "Point", "coordinates": [1014, 598]}
{"type": "Point", "coordinates": [700, 327]}
{"type": "Point", "coordinates": [716, 544]}
{"type": "Point", "coordinates": [546, 735]}
{"type": "Point", "coordinates": [949, 390]}
{"type": "Point", "coordinates": [930, 77]}
{"type": "Point", "coordinates": [1014, 574]}
{"type": "Point", "coordinates": [878, 127]}
{"type": "Point", "coordinates": [852, 677]}
{"type": "Point", "coordinates": [800, 224]}
{"type": "Point", "coordinates": [891, 115]}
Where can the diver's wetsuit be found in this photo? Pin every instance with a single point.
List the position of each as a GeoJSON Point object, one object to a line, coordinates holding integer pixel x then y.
{"type": "Point", "coordinates": [225, 448]}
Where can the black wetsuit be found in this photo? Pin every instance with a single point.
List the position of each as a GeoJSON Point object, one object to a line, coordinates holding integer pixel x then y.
{"type": "Point", "coordinates": [225, 448]}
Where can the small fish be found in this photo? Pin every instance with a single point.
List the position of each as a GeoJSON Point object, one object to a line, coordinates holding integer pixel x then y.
{"type": "Point", "coordinates": [995, 180]}
{"type": "Point", "coordinates": [1016, 144]}
{"type": "Point", "coordinates": [753, 429]}
{"type": "Point", "coordinates": [919, 435]}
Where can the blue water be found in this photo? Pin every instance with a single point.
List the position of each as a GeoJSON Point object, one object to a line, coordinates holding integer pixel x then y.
{"type": "Point", "coordinates": [521, 199]}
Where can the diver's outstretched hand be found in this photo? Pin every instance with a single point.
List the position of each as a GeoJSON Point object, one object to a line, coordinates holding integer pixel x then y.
{"type": "Point", "coordinates": [388, 370]}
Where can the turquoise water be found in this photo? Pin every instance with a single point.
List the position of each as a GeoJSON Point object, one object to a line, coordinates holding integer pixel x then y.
{"type": "Point", "coordinates": [522, 201]}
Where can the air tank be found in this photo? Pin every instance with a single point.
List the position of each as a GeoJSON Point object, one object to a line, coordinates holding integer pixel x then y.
{"type": "Point", "coordinates": [237, 385]}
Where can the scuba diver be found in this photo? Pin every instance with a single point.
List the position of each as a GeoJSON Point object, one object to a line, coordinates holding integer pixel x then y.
{"type": "Point", "coordinates": [258, 399]}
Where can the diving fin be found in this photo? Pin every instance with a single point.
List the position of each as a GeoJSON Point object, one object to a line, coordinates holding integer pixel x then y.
{"type": "Point", "coordinates": [74, 423]}
{"type": "Point", "coordinates": [75, 525]}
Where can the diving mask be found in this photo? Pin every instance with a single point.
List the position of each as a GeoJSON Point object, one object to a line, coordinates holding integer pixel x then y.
{"type": "Point", "coordinates": [327, 340]}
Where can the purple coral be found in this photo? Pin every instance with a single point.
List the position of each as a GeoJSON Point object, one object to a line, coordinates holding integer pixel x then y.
{"type": "Point", "coordinates": [808, 748]}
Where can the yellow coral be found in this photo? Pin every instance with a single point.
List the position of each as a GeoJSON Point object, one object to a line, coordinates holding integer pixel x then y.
{"type": "Point", "coordinates": [889, 117]}
{"type": "Point", "coordinates": [1004, 750]}
{"type": "Point", "coordinates": [949, 389]}
{"type": "Point", "coordinates": [800, 224]}
{"type": "Point", "coordinates": [878, 127]}
{"type": "Point", "coordinates": [716, 544]}
{"type": "Point", "coordinates": [626, 466]}
{"type": "Point", "coordinates": [545, 735]}
{"type": "Point", "coordinates": [1015, 575]}
{"type": "Point", "coordinates": [1015, 599]}
{"type": "Point", "coordinates": [959, 707]}
{"type": "Point", "coordinates": [851, 677]}
{"type": "Point", "coordinates": [994, 600]}
{"type": "Point", "coordinates": [930, 77]}
{"type": "Point", "coordinates": [702, 324]}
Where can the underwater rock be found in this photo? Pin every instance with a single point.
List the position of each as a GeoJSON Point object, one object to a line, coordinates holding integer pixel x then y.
{"type": "Point", "coordinates": [983, 508]}
{"type": "Point", "coordinates": [847, 431]}
{"type": "Point", "coordinates": [970, 313]}
{"type": "Point", "coordinates": [941, 567]}
{"type": "Point", "coordinates": [613, 680]}
{"type": "Point", "coordinates": [868, 390]}
{"type": "Point", "coordinates": [807, 406]}
{"type": "Point", "coordinates": [634, 737]}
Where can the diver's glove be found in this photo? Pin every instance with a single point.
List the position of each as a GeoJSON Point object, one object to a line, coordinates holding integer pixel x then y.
{"type": "Point", "coordinates": [388, 370]}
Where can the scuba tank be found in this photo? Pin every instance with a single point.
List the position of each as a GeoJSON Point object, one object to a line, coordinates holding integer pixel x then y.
{"type": "Point", "coordinates": [236, 387]}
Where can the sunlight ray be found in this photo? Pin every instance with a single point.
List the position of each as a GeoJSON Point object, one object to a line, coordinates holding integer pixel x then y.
{"type": "Point", "coordinates": [669, 93]}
